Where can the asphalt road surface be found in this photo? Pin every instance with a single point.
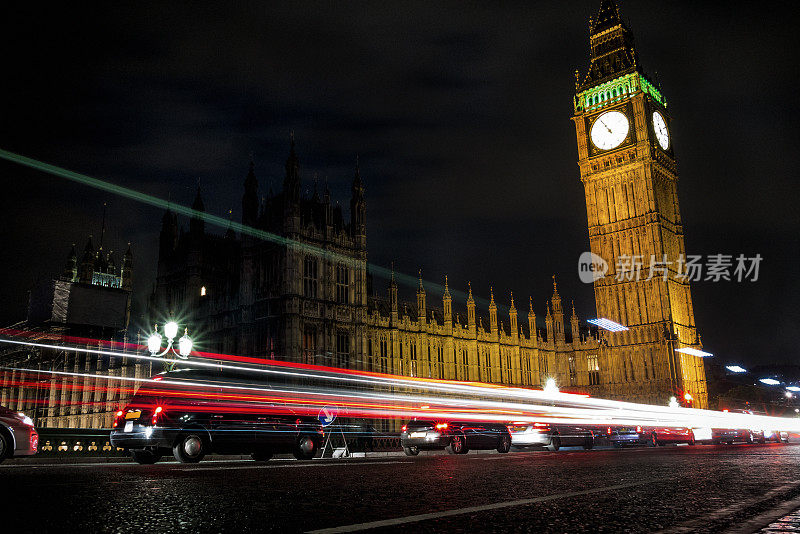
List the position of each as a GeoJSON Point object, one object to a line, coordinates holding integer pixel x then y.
{"type": "Point", "coordinates": [678, 489]}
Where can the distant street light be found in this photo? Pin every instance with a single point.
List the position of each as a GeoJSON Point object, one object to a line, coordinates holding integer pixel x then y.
{"type": "Point", "coordinates": [789, 395]}
{"type": "Point", "coordinates": [673, 403]}
{"type": "Point", "coordinates": [171, 331]}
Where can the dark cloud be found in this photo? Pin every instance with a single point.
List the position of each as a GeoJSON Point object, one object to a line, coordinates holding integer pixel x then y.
{"type": "Point", "coordinates": [460, 115]}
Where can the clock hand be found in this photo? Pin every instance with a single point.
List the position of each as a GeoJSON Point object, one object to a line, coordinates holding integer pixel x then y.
{"type": "Point", "coordinates": [606, 127]}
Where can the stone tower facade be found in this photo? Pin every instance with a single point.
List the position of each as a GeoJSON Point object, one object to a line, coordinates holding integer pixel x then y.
{"type": "Point", "coordinates": [629, 172]}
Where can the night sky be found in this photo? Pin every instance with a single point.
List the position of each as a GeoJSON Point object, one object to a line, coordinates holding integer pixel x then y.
{"type": "Point", "coordinates": [459, 113]}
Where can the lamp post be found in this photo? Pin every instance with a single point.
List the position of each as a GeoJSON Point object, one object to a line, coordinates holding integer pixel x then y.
{"type": "Point", "coordinates": [154, 343]}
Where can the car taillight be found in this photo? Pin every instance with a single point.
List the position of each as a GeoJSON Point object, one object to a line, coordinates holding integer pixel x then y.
{"type": "Point", "coordinates": [608, 431]}
{"type": "Point", "coordinates": [441, 426]}
{"type": "Point", "coordinates": [116, 419]}
{"type": "Point", "coordinates": [159, 410]}
{"type": "Point", "coordinates": [638, 430]}
{"type": "Point", "coordinates": [405, 427]}
{"type": "Point", "coordinates": [34, 441]}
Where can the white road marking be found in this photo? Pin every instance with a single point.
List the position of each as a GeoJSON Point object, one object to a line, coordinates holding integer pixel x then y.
{"type": "Point", "coordinates": [472, 509]}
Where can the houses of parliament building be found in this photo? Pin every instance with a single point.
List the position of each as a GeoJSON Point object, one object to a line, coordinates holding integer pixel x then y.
{"type": "Point", "coordinates": [298, 287]}
{"type": "Point", "coordinates": [310, 298]}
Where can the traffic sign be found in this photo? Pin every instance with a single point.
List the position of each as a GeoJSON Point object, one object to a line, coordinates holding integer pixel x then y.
{"type": "Point", "coordinates": [327, 414]}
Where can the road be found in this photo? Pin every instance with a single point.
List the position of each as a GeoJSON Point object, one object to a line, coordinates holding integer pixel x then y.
{"type": "Point", "coordinates": [681, 489]}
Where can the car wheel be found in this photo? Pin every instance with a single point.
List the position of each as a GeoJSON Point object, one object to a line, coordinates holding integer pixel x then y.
{"type": "Point", "coordinates": [261, 456]}
{"type": "Point", "coordinates": [457, 445]}
{"type": "Point", "coordinates": [306, 448]}
{"type": "Point", "coordinates": [190, 448]}
{"type": "Point", "coordinates": [555, 443]}
{"type": "Point", "coordinates": [411, 451]}
{"type": "Point", "coordinates": [505, 444]}
{"type": "Point", "coordinates": [4, 446]}
{"type": "Point", "coordinates": [588, 444]}
{"type": "Point", "coordinates": [145, 456]}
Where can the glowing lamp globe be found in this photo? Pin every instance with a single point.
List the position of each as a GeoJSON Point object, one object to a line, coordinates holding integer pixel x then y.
{"type": "Point", "coordinates": [154, 343]}
{"type": "Point", "coordinates": [185, 345]}
{"type": "Point", "coordinates": [550, 386]}
{"type": "Point", "coordinates": [171, 330]}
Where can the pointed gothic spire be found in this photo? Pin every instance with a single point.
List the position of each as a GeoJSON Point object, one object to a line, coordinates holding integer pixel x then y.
{"type": "Point", "coordinates": [198, 204]}
{"type": "Point", "coordinates": [446, 288]}
{"type": "Point", "coordinates": [611, 47]}
{"type": "Point", "coordinates": [512, 301]}
{"type": "Point", "coordinates": [530, 299]}
{"type": "Point", "coordinates": [491, 296]}
{"type": "Point", "coordinates": [555, 286]}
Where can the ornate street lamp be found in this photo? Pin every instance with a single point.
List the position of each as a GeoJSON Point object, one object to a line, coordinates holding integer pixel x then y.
{"type": "Point", "coordinates": [171, 331]}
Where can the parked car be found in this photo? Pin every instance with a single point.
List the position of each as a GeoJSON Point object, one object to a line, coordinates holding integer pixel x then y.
{"type": "Point", "coordinates": [454, 437]}
{"type": "Point", "coordinates": [651, 436]}
{"type": "Point", "coordinates": [735, 435]}
{"type": "Point", "coordinates": [165, 416]}
{"type": "Point", "coordinates": [18, 437]}
{"type": "Point", "coordinates": [552, 436]}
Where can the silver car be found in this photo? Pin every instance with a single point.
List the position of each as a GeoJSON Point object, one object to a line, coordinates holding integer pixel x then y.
{"type": "Point", "coordinates": [18, 437]}
{"type": "Point", "coordinates": [551, 436]}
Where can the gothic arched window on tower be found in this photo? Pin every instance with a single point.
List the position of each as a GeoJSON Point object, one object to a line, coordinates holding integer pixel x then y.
{"type": "Point", "coordinates": [594, 369]}
{"type": "Point", "coordinates": [573, 374]}
{"type": "Point", "coordinates": [342, 348]}
{"type": "Point", "coordinates": [342, 284]}
{"type": "Point", "coordinates": [309, 344]}
{"type": "Point", "coordinates": [310, 277]}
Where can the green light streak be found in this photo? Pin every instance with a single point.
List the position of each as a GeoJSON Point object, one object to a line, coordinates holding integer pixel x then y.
{"type": "Point", "coordinates": [221, 222]}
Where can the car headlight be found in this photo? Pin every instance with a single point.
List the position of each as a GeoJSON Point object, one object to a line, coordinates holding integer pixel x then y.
{"type": "Point", "coordinates": [25, 419]}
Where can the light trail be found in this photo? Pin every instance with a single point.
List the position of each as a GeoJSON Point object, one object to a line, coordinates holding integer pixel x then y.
{"type": "Point", "coordinates": [461, 400]}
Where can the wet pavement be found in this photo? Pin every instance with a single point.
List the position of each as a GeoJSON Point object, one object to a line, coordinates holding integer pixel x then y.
{"type": "Point", "coordinates": [677, 489]}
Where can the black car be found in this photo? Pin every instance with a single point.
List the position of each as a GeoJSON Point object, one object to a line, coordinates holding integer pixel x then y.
{"type": "Point", "coordinates": [454, 437]}
{"type": "Point", "coordinates": [196, 412]}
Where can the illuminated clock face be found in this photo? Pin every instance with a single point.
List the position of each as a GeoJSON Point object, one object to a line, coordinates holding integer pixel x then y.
{"type": "Point", "coordinates": [660, 128]}
{"type": "Point", "coordinates": [609, 130]}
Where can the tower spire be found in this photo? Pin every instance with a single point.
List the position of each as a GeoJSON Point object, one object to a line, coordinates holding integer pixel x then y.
{"type": "Point", "coordinates": [103, 228]}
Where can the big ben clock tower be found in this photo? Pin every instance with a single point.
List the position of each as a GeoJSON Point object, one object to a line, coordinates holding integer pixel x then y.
{"type": "Point", "coordinates": [628, 169]}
